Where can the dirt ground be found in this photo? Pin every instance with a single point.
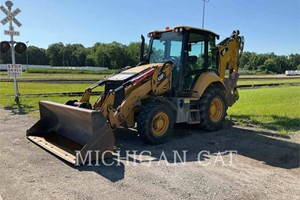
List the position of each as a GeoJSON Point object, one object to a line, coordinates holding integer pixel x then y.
{"type": "Point", "coordinates": [266, 166]}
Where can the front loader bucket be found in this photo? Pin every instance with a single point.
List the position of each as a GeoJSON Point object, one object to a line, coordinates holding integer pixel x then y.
{"type": "Point", "coordinates": [74, 134]}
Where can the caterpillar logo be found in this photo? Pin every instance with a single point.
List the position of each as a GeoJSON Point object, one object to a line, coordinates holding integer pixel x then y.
{"type": "Point", "coordinates": [161, 77]}
{"type": "Point", "coordinates": [224, 51]}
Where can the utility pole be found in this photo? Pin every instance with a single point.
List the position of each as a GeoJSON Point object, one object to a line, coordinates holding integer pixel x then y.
{"type": "Point", "coordinates": [64, 56]}
{"type": "Point", "coordinates": [102, 60]}
{"type": "Point", "coordinates": [204, 1]}
{"type": "Point", "coordinates": [27, 55]}
{"type": "Point", "coordinates": [9, 4]}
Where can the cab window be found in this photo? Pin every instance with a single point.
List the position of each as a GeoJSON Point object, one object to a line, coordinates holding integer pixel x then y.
{"type": "Point", "coordinates": [201, 57]}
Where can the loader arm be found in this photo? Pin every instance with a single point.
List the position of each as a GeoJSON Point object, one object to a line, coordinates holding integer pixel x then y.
{"type": "Point", "coordinates": [88, 92]}
{"type": "Point", "coordinates": [153, 82]}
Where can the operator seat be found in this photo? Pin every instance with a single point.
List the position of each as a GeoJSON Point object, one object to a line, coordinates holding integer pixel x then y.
{"type": "Point", "coordinates": [191, 63]}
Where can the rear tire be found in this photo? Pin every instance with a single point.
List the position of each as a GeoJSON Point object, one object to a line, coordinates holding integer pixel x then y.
{"type": "Point", "coordinates": [213, 109]}
{"type": "Point", "coordinates": [155, 122]}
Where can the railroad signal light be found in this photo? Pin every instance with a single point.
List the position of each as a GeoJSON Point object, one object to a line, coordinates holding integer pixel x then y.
{"type": "Point", "coordinates": [20, 47]}
{"type": "Point", "coordinates": [5, 46]}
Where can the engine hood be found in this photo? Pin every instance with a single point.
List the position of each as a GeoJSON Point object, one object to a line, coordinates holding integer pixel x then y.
{"type": "Point", "coordinates": [141, 68]}
{"type": "Point", "coordinates": [133, 72]}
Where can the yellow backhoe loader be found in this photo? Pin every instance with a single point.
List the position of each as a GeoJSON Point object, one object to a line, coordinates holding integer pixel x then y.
{"type": "Point", "coordinates": [185, 77]}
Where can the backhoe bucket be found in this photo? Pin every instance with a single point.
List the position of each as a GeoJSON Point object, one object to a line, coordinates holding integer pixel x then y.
{"type": "Point", "coordinates": [75, 134]}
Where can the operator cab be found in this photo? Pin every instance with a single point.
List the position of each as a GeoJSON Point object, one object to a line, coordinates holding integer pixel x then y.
{"type": "Point", "coordinates": [192, 52]}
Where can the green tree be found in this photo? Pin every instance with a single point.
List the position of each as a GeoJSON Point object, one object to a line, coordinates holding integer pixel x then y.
{"type": "Point", "coordinates": [74, 55]}
{"type": "Point", "coordinates": [244, 60]}
{"type": "Point", "coordinates": [253, 61]}
{"type": "Point", "coordinates": [89, 60]}
{"type": "Point", "coordinates": [36, 56]}
{"type": "Point", "coordinates": [294, 61]}
{"type": "Point", "coordinates": [113, 55]}
{"type": "Point", "coordinates": [282, 63]}
{"type": "Point", "coordinates": [133, 51]}
{"type": "Point", "coordinates": [55, 54]}
{"type": "Point", "coordinates": [90, 57]}
{"type": "Point", "coordinates": [261, 58]}
{"type": "Point", "coordinates": [118, 55]}
{"type": "Point", "coordinates": [100, 55]}
{"type": "Point", "coordinates": [271, 65]}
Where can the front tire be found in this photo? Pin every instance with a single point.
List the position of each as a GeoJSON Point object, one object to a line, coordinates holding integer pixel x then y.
{"type": "Point", "coordinates": [155, 122]}
{"type": "Point", "coordinates": [213, 109]}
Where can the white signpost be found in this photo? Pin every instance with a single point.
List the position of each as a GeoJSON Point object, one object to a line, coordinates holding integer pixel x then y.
{"type": "Point", "coordinates": [13, 69]}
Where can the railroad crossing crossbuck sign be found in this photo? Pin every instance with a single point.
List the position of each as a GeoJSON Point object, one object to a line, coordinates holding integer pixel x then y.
{"type": "Point", "coordinates": [10, 16]}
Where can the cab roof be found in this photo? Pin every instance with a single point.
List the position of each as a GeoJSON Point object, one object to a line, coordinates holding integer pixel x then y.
{"type": "Point", "coordinates": [188, 28]}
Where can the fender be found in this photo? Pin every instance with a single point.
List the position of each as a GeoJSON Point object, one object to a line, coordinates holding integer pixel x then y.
{"type": "Point", "coordinates": [204, 80]}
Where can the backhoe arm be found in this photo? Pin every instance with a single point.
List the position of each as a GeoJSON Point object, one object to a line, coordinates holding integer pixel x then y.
{"type": "Point", "coordinates": [230, 51]}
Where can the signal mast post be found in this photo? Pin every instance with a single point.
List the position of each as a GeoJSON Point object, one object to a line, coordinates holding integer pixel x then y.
{"type": "Point", "coordinates": [9, 4]}
{"type": "Point", "coordinates": [20, 47]}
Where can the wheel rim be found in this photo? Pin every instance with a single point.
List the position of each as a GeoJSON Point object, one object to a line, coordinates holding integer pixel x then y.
{"type": "Point", "coordinates": [160, 124]}
{"type": "Point", "coordinates": [216, 110]}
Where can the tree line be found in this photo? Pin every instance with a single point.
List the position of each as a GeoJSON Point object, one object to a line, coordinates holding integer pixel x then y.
{"type": "Point", "coordinates": [116, 55]}
{"type": "Point", "coordinates": [112, 55]}
{"type": "Point", "coordinates": [269, 62]}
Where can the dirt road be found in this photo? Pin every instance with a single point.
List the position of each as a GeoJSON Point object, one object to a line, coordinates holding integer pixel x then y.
{"type": "Point", "coordinates": [266, 166]}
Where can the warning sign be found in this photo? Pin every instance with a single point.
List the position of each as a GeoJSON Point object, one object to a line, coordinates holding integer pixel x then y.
{"type": "Point", "coordinates": [13, 70]}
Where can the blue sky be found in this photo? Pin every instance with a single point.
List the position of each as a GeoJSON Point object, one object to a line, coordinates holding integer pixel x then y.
{"type": "Point", "coordinates": [268, 25]}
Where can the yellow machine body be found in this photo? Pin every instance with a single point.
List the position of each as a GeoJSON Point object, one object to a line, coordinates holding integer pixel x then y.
{"type": "Point", "coordinates": [195, 86]}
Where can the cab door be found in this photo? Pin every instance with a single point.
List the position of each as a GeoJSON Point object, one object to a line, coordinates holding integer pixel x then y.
{"type": "Point", "coordinates": [200, 57]}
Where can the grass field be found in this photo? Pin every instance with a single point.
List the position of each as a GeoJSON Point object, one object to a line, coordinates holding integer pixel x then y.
{"type": "Point", "coordinates": [275, 108]}
{"type": "Point", "coordinates": [68, 71]}
{"type": "Point", "coordinates": [97, 75]}
{"type": "Point", "coordinates": [268, 81]}
{"type": "Point", "coordinates": [52, 77]}
{"type": "Point", "coordinates": [30, 104]}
